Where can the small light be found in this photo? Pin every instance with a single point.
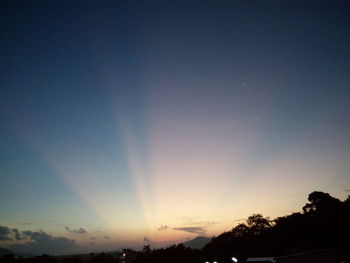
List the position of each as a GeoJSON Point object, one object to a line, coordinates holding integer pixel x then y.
{"type": "Point", "coordinates": [234, 259]}
{"type": "Point", "coordinates": [124, 255]}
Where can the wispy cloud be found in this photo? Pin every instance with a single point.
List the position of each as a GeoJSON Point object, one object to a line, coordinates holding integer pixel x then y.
{"type": "Point", "coordinates": [76, 231]}
{"type": "Point", "coordinates": [194, 225]}
{"type": "Point", "coordinates": [193, 229]}
{"type": "Point", "coordinates": [194, 221]}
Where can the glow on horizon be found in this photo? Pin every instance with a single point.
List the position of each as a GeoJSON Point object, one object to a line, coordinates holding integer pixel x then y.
{"type": "Point", "coordinates": [198, 169]}
{"type": "Point", "coordinates": [202, 158]}
{"type": "Point", "coordinates": [155, 123]}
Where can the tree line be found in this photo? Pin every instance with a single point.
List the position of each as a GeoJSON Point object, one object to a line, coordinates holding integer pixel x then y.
{"type": "Point", "coordinates": [323, 223]}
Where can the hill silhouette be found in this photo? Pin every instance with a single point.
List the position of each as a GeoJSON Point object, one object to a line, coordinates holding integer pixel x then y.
{"type": "Point", "coordinates": [197, 243]}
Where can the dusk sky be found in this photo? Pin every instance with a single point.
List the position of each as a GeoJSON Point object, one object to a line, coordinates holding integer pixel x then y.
{"type": "Point", "coordinates": [126, 123]}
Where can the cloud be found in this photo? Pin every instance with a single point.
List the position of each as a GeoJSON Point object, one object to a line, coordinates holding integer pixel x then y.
{"type": "Point", "coordinates": [17, 234]}
{"type": "Point", "coordinates": [37, 242]}
{"type": "Point", "coordinates": [194, 225]}
{"type": "Point", "coordinates": [147, 240]}
{"type": "Point", "coordinates": [192, 229]}
{"type": "Point", "coordinates": [76, 231]}
{"type": "Point", "coordinates": [5, 233]}
{"type": "Point", "coordinates": [9, 234]}
{"type": "Point", "coordinates": [41, 242]}
{"type": "Point", "coordinates": [194, 221]}
{"type": "Point", "coordinates": [162, 227]}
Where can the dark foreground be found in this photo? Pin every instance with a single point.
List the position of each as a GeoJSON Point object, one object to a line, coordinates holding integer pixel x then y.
{"type": "Point", "coordinates": [319, 234]}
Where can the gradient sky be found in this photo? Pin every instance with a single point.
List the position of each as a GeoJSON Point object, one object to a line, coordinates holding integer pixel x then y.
{"type": "Point", "coordinates": [157, 121]}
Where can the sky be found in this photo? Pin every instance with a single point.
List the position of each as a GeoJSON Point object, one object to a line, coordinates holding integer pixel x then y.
{"type": "Point", "coordinates": [125, 123]}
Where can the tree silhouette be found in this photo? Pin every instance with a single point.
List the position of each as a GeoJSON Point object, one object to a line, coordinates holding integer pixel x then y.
{"type": "Point", "coordinates": [240, 231]}
{"type": "Point", "coordinates": [320, 202]}
{"type": "Point", "coordinates": [146, 250]}
{"type": "Point", "coordinates": [258, 224]}
{"type": "Point", "coordinates": [324, 223]}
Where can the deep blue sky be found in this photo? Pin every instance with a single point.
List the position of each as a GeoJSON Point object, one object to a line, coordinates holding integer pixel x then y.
{"type": "Point", "coordinates": [119, 116]}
